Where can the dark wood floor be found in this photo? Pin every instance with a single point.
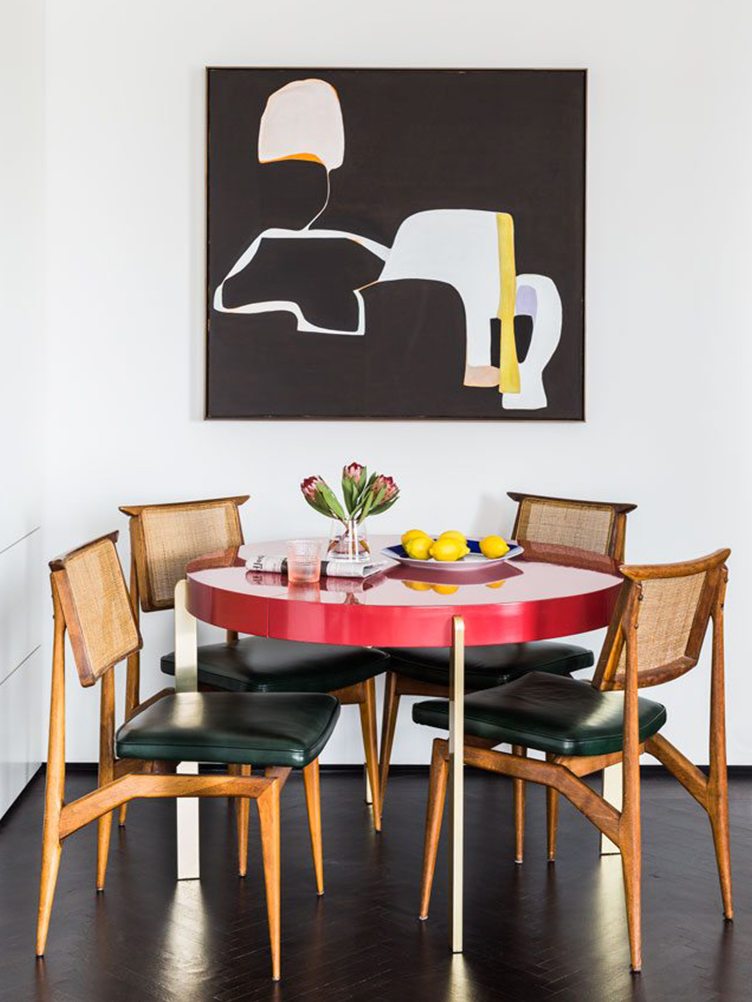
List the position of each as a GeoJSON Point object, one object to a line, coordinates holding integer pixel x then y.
{"type": "Point", "coordinates": [534, 932]}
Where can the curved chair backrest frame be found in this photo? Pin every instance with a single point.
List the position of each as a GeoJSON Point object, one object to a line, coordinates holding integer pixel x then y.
{"type": "Point", "coordinates": [165, 537]}
{"type": "Point", "coordinates": [666, 608]}
{"type": "Point", "coordinates": [91, 601]}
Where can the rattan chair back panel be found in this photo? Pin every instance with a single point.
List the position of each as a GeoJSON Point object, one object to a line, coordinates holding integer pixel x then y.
{"type": "Point", "coordinates": [672, 605]}
{"type": "Point", "coordinates": [96, 606]}
{"type": "Point", "coordinates": [566, 524]}
{"type": "Point", "coordinates": [562, 523]}
{"type": "Point", "coordinates": [166, 537]}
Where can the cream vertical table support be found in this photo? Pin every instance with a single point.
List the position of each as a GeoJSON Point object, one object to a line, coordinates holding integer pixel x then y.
{"type": "Point", "coordinates": [456, 781]}
{"type": "Point", "coordinates": [186, 680]}
{"type": "Point", "coordinates": [613, 785]}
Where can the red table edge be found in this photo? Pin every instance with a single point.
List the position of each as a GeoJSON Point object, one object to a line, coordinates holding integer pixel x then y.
{"type": "Point", "coordinates": [395, 626]}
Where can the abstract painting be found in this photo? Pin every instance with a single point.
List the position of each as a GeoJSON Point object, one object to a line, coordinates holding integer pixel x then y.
{"type": "Point", "coordinates": [395, 244]}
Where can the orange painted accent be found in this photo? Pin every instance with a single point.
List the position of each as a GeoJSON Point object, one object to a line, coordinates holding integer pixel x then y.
{"type": "Point", "coordinates": [311, 157]}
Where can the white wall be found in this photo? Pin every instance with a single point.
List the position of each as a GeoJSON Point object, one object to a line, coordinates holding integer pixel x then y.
{"type": "Point", "coordinates": [21, 317]}
{"type": "Point", "coordinates": [669, 214]}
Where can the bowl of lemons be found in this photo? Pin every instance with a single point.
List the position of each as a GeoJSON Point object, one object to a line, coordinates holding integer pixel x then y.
{"type": "Point", "coordinates": [451, 549]}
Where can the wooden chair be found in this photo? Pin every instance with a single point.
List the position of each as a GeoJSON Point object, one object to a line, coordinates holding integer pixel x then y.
{"type": "Point", "coordinates": [656, 635]}
{"type": "Point", "coordinates": [164, 538]}
{"type": "Point", "coordinates": [558, 530]}
{"type": "Point", "coordinates": [274, 731]}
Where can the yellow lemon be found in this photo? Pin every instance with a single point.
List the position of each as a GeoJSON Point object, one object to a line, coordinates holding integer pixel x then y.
{"type": "Point", "coordinates": [494, 584]}
{"type": "Point", "coordinates": [453, 534]}
{"type": "Point", "coordinates": [417, 585]}
{"type": "Point", "coordinates": [447, 549]}
{"type": "Point", "coordinates": [493, 547]}
{"type": "Point", "coordinates": [419, 547]}
{"type": "Point", "coordinates": [446, 589]}
{"type": "Point", "coordinates": [413, 534]}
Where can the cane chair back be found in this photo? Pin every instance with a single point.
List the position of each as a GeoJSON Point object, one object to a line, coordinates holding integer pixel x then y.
{"type": "Point", "coordinates": [165, 537]}
{"type": "Point", "coordinates": [669, 606]}
{"type": "Point", "coordinates": [96, 607]}
{"type": "Point", "coordinates": [598, 527]}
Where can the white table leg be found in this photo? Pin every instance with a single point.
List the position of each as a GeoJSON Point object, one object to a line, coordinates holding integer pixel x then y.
{"type": "Point", "coordinates": [186, 680]}
{"type": "Point", "coordinates": [456, 781]}
{"type": "Point", "coordinates": [368, 791]}
{"type": "Point", "coordinates": [612, 792]}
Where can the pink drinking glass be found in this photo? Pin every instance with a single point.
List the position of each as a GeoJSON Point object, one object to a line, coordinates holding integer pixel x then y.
{"type": "Point", "coordinates": [303, 561]}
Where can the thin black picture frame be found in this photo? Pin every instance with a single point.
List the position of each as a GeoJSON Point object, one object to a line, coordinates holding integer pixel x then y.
{"type": "Point", "coordinates": [502, 418]}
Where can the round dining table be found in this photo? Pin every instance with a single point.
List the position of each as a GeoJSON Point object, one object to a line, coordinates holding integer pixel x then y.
{"type": "Point", "coordinates": [541, 595]}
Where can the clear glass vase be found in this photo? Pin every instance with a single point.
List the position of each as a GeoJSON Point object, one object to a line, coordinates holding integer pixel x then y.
{"type": "Point", "coordinates": [348, 541]}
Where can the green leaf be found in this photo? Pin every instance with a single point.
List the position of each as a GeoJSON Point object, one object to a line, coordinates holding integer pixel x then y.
{"type": "Point", "coordinates": [318, 506]}
{"type": "Point", "coordinates": [330, 498]}
{"type": "Point", "coordinates": [384, 507]}
{"type": "Point", "coordinates": [348, 491]}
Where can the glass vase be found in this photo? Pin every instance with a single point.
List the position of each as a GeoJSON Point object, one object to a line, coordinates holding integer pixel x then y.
{"type": "Point", "coordinates": [348, 541]}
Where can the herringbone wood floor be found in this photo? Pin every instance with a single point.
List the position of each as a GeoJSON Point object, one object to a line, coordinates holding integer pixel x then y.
{"type": "Point", "coordinates": [539, 932]}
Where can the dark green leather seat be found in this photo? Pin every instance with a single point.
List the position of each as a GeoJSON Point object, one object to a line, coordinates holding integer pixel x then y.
{"type": "Point", "coordinates": [492, 665]}
{"type": "Point", "coordinates": [564, 716]}
{"type": "Point", "coordinates": [261, 664]}
{"type": "Point", "coordinates": [257, 729]}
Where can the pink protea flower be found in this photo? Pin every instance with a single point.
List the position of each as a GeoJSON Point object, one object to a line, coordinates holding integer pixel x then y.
{"type": "Point", "coordinates": [310, 487]}
{"type": "Point", "coordinates": [387, 485]}
{"type": "Point", "coordinates": [321, 497]}
{"type": "Point", "coordinates": [354, 472]}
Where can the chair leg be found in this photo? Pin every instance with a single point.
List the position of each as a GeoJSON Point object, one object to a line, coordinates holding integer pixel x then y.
{"type": "Point", "coordinates": [313, 805]}
{"type": "Point", "coordinates": [719, 822]}
{"type": "Point", "coordinates": [552, 821]}
{"type": "Point", "coordinates": [268, 808]}
{"type": "Point", "coordinates": [437, 789]}
{"type": "Point", "coordinates": [631, 859]}
{"type": "Point", "coordinates": [122, 815]}
{"type": "Point", "coordinates": [518, 793]}
{"type": "Point", "coordinates": [368, 726]}
{"type": "Point", "coordinates": [242, 815]}
{"type": "Point", "coordinates": [104, 830]}
{"type": "Point", "coordinates": [552, 818]}
{"type": "Point", "coordinates": [388, 727]}
{"type": "Point", "coordinates": [52, 849]}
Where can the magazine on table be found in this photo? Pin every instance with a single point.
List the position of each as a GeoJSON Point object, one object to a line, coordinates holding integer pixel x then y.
{"type": "Point", "coordinates": [277, 564]}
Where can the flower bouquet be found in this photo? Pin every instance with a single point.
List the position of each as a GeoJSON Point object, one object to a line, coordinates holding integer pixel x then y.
{"type": "Point", "coordinates": [363, 496]}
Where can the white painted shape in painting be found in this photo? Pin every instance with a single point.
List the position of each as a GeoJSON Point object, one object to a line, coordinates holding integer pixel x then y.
{"type": "Point", "coordinates": [288, 306]}
{"type": "Point", "coordinates": [303, 117]}
{"type": "Point", "coordinates": [458, 247]}
{"type": "Point", "coordinates": [537, 297]}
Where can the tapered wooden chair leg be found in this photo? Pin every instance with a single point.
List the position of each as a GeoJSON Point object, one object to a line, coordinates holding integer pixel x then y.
{"type": "Point", "coordinates": [123, 814]}
{"type": "Point", "coordinates": [104, 830]}
{"type": "Point", "coordinates": [51, 852]}
{"type": "Point", "coordinates": [720, 826]}
{"type": "Point", "coordinates": [368, 726]}
{"type": "Point", "coordinates": [518, 793]}
{"type": "Point", "coordinates": [242, 815]}
{"type": "Point", "coordinates": [388, 727]}
{"type": "Point", "coordinates": [552, 819]}
{"type": "Point", "coordinates": [437, 788]}
{"type": "Point", "coordinates": [552, 822]}
{"type": "Point", "coordinates": [313, 805]}
{"type": "Point", "coordinates": [632, 869]}
{"type": "Point", "coordinates": [268, 808]}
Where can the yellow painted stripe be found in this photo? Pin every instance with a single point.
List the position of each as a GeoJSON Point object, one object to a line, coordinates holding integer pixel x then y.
{"type": "Point", "coordinates": [509, 369]}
